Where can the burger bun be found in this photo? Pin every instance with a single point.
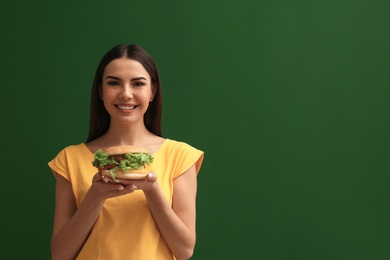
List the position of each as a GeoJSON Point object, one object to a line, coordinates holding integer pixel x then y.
{"type": "Point", "coordinates": [124, 149]}
{"type": "Point", "coordinates": [129, 175]}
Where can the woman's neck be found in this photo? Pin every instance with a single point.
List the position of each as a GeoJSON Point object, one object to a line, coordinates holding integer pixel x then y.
{"type": "Point", "coordinates": [127, 135]}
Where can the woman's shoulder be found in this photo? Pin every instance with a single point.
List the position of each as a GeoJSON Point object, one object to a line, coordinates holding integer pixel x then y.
{"type": "Point", "coordinates": [176, 145]}
{"type": "Point", "coordinates": [181, 154]}
{"type": "Point", "coordinates": [171, 143]}
{"type": "Point", "coordinates": [70, 153]}
{"type": "Point", "coordinates": [96, 144]}
{"type": "Point", "coordinates": [74, 148]}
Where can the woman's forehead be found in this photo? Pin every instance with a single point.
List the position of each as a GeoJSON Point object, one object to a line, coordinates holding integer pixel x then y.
{"type": "Point", "coordinates": [124, 67]}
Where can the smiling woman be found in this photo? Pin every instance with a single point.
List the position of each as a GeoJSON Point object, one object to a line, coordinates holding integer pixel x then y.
{"type": "Point", "coordinates": [149, 218]}
{"type": "Point", "coordinates": [99, 117]}
{"type": "Point", "coordinates": [127, 90]}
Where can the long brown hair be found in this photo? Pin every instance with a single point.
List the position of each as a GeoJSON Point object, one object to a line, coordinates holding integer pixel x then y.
{"type": "Point", "coordinates": [99, 121]}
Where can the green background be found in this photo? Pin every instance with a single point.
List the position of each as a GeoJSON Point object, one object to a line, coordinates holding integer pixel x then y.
{"type": "Point", "coordinates": [288, 99]}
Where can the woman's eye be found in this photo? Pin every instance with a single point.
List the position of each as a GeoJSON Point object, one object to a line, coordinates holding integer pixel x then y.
{"type": "Point", "coordinates": [139, 84]}
{"type": "Point", "coordinates": [113, 83]}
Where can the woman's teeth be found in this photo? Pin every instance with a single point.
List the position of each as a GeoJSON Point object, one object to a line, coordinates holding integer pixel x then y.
{"type": "Point", "coordinates": [126, 107]}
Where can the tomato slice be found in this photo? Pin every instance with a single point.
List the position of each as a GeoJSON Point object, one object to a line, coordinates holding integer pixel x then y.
{"type": "Point", "coordinates": [107, 167]}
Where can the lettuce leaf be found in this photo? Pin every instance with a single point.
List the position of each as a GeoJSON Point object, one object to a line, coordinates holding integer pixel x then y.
{"type": "Point", "coordinates": [133, 161]}
{"type": "Point", "coordinates": [101, 159]}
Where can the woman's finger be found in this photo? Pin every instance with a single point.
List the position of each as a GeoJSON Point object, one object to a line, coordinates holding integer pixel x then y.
{"type": "Point", "coordinates": [152, 176]}
{"type": "Point", "coordinates": [105, 179]}
{"type": "Point", "coordinates": [97, 177]}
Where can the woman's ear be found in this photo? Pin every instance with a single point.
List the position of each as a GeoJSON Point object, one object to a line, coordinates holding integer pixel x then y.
{"type": "Point", "coordinates": [154, 90]}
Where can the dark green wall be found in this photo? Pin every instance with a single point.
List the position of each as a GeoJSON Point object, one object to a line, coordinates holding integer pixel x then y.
{"type": "Point", "coordinates": [288, 99]}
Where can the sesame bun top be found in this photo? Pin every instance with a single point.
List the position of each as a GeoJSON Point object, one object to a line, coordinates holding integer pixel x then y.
{"type": "Point", "coordinates": [125, 149]}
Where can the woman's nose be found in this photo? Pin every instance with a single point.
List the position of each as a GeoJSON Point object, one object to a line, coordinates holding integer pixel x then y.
{"type": "Point", "coordinates": [126, 93]}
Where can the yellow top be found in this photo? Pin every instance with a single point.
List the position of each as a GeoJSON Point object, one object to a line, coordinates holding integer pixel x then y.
{"type": "Point", "coordinates": [125, 228]}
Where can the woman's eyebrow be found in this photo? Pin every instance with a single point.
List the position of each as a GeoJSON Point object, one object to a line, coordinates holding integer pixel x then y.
{"type": "Point", "coordinates": [139, 78]}
{"type": "Point", "coordinates": [112, 77]}
{"type": "Point", "coordinates": [134, 79]}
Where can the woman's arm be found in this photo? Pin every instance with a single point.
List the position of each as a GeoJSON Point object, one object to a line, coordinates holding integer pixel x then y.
{"type": "Point", "coordinates": [72, 225]}
{"type": "Point", "coordinates": [176, 224]}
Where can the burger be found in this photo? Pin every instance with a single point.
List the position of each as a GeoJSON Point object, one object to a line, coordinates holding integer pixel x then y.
{"type": "Point", "coordinates": [125, 162]}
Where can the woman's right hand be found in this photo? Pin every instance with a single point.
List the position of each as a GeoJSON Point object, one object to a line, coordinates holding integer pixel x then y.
{"type": "Point", "coordinates": [104, 187]}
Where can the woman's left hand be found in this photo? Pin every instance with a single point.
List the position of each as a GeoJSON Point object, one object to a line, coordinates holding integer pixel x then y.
{"type": "Point", "coordinates": [144, 184]}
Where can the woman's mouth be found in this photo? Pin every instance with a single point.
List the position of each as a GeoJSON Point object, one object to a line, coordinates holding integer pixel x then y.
{"type": "Point", "coordinates": [125, 107]}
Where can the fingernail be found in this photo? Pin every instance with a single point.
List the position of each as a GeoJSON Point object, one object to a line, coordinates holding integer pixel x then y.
{"type": "Point", "coordinates": [117, 181]}
{"type": "Point", "coordinates": [120, 188]}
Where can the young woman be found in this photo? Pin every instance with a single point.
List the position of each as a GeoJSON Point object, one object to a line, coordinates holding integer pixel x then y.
{"type": "Point", "coordinates": [126, 219]}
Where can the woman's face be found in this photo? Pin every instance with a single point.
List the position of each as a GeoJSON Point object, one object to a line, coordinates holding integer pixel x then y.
{"type": "Point", "coordinates": [126, 90]}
